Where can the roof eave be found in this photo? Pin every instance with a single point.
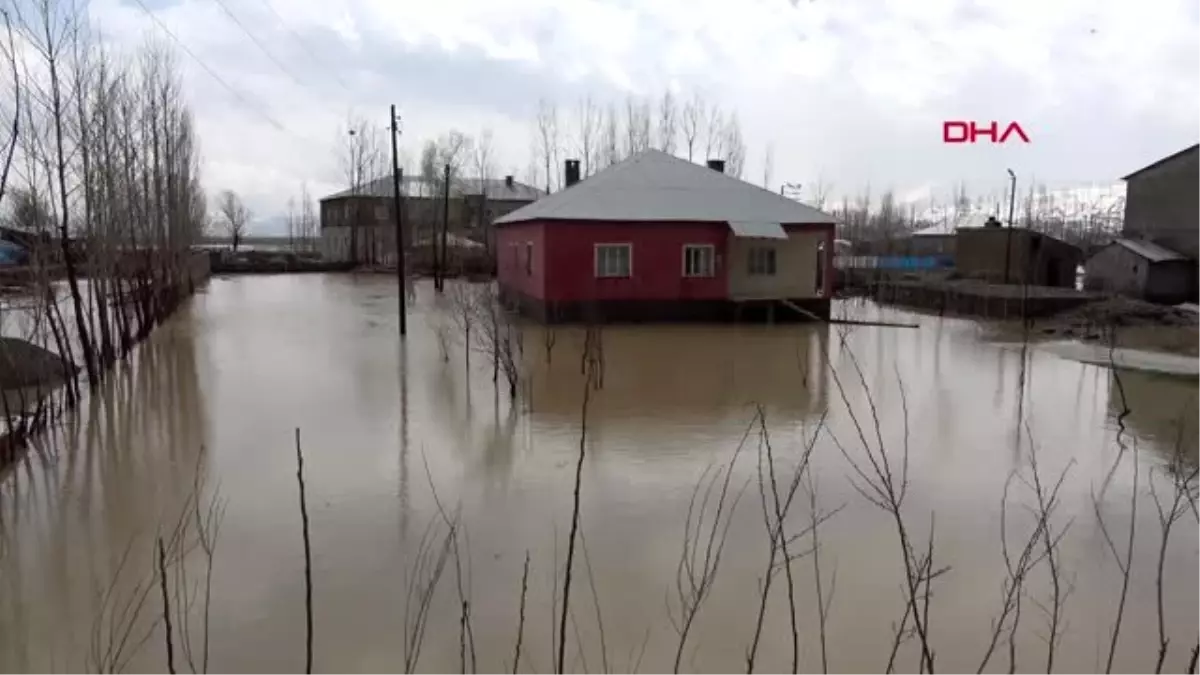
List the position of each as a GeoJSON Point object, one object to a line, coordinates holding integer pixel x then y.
{"type": "Point", "coordinates": [1164, 160]}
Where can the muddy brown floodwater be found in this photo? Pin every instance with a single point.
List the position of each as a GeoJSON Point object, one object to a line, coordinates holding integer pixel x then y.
{"type": "Point", "coordinates": [221, 388]}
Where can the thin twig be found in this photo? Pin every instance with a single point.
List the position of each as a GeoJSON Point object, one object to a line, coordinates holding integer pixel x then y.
{"type": "Point", "coordinates": [308, 586]}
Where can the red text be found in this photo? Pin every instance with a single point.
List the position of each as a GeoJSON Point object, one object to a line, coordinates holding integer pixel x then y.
{"type": "Point", "coordinates": [970, 132]}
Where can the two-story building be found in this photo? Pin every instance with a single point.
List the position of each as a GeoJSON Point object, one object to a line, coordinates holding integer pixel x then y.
{"type": "Point", "coordinates": [358, 225]}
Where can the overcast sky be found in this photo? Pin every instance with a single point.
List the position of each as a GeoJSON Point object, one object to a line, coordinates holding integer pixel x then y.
{"type": "Point", "coordinates": [850, 91]}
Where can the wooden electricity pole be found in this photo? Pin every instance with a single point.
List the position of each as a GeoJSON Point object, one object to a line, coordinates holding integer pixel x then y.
{"type": "Point", "coordinates": [398, 211]}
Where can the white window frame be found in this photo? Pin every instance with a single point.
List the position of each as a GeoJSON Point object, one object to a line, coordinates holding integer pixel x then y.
{"type": "Point", "coordinates": [759, 254]}
{"type": "Point", "coordinates": [596, 260]}
{"type": "Point", "coordinates": [710, 270]}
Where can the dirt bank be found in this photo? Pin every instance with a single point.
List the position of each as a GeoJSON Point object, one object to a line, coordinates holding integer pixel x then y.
{"type": "Point", "coordinates": [1134, 325]}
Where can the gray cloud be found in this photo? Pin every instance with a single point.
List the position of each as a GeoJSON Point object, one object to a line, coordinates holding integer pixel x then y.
{"type": "Point", "coordinates": [853, 92]}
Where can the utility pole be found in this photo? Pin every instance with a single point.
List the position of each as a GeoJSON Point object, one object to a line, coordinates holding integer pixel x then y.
{"type": "Point", "coordinates": [398, 211]}
{"type": "Point", "coordinates": [1012, 195]}
{"type": "Point", "coordinates": [445, 228]}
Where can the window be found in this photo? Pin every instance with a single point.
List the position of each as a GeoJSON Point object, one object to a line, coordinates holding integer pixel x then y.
{"type": "Point", "coordinates": [698, 260]}
{"type": "Point", "coordinates": [529, 258]}
{"type": "Point", "coordinates": [381, 212]}
{"type": "Point", "coordinates": [614, 260]}
{"type": "Point", "coordinates": [762, 261]}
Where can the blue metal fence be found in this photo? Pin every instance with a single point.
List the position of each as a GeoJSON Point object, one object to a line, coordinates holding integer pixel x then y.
{"type": "Point", "coordinates": [870, 262]}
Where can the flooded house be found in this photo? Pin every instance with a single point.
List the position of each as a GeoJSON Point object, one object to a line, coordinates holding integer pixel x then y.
{"type": "Point", "coordinates": [1161, 202]}
{"type": "Point", "coordinates": [1140, 269]}
{"type": "Point", "coordinates": [358, 224]}
{"type": "Point", "coordinates": [656, 237]}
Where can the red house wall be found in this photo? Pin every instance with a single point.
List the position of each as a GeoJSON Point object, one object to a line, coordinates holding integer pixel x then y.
{"type": "Point", "coordinates": [657, 261]}
{"type": "Point", "coordinates": [510, 263]}
{"type": "Point", "coordinates": [563, 266]}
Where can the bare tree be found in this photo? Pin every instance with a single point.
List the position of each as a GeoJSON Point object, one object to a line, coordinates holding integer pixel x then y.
{"type": "Point", "coordinates": [483, 162]}
{"type": "Point", "coordinates": [610, 144]}
{"type": "Point", "coordinates": [292, 223]}
{"type": "Point", "coordinates": [734, 146]}
{"type": "Point", "coordinates": [637, 125]}
{"type": "Point", "coordinates": [714, 133]}
{"type": "Point", "coordinates": [588, 120]}
{"type": "Point", "coordinates": [442, 161]}
{"type": "Point", "coordinates": [9, 53]}
{"type": "Point", "coordinates": [361, 160]}
{"type": "Point", "coordinates": [668, 122]}
{"type": "Point", "coordinates": [234, 216]}
{"type": "Point", "coordinates": [308, 224]}
{"type": "Point", "coordinates": [547, 142]}
{"type": "Point", "coordinates": [691, 123]}
{"type": "Point", "coordinates": [768, 166]}
{"type": "Point", "coordinates": [820, 192]}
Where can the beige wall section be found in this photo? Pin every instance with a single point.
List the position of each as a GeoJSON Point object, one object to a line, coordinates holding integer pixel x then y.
{"type": "Point", "coordinates": [795, 267]}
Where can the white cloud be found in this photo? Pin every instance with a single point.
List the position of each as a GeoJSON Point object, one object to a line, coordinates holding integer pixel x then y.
{"type": "Point", "coordinates": [855, 92]}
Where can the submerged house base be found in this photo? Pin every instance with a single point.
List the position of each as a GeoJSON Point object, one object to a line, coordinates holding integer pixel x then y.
{"type": "Point", "coordinates": [669, 311]}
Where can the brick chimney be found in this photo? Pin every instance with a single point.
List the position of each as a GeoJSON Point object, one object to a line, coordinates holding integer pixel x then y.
{"type": "Point", "coordinates": [571, 170]}
{"type": "Point", "coordinates": [717, 165]}
{"type": "Point", "coordinates": [508, 182]}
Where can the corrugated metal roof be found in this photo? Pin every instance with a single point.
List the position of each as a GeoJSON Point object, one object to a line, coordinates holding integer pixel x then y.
{"type": "Point", "coordinates": [757, 230]}
{"type": "Point", "coordinates": [656, 186]}
{"type": "Point", "coordinates": [1149, 250]}
{"type": "Point", "coordinates": [416, 186]}
{"type": "Point", "coordinates": [973, 219]}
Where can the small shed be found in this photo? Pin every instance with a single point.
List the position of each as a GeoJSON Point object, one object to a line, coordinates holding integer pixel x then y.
{"type": "Point", "coordinates": [1139, 269]}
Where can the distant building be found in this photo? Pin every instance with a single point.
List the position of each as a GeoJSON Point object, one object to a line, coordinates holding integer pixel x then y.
{"type": "Point", "coordinates": [1139, 269]}
{"type": "Point", "coordinates": [656, 237]}
{"type": "Point", "coordinates": [1162, 202]}
{"type": "Point", "coordinates": [1162, 206]}
{"type": "Point", "coordinates": [358, 224]}
{"type": "Point", "coordinates": [1034, 258]}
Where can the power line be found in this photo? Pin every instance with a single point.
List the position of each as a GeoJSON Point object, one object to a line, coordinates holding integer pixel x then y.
{"type": "Point", "coordinates": [261, 47]}
{"type": "Point", "coordinates": [304, 43]}
{"type": "Point", "coordinates": [246, 102]}
{"type": "Point", "coordinates": [237, 94]}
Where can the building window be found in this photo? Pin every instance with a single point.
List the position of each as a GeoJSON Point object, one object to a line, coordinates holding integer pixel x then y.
{"type": "Point", "coordinates": [529, 258]}
{"type": "Point", "coordinates": [614, 260]}
{"type": "Point", "coordinates": [381, 212]}
{"type": "Point", "coordinates": [698, 260]}
{"type": "Point", "coordinates": [762, 261]}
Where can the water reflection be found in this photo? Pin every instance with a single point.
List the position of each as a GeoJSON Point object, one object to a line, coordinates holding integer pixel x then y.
{"type": "Point", "coordinates": [254, 358]}
{"type": "Point", "coordinates": [1161, 410]}
{"type": "Point", "coordinates": [80, 500]}
{"type": "Point", "coordinates": [677, 378]}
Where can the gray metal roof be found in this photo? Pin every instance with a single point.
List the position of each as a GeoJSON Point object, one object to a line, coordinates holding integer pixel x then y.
{"type": "Point", "coordinates": [1149, 250]}
{"type": "Point", "coordinates": [949, 227]}
{"type": "Point", "coordinates": [656, 186]}
{"type": "Point", "coordinates": [416, 186]}
{"type": "Point", "coordinates": [757, 230]}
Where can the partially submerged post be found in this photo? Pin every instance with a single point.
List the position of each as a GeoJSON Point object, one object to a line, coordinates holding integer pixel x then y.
{"type": "Point", "coordinates": [441, 264]}
{"type": "Point", "coordinates": [398, 210]}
